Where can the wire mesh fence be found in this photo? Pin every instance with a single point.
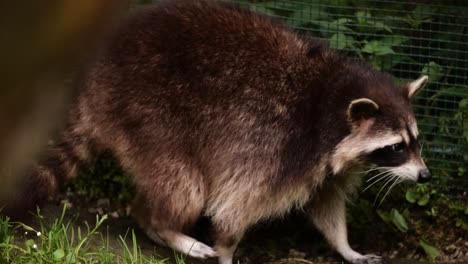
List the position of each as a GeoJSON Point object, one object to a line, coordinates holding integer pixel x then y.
{"type": "Point", "coordinates": [407, 39]}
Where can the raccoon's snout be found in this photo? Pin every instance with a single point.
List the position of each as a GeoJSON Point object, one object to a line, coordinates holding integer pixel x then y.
{"type": "Point", "coordinates": [424, 176]}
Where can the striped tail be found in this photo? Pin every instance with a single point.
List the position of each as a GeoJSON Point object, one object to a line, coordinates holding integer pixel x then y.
{"type": "Point", "coordinates": [58, 165]}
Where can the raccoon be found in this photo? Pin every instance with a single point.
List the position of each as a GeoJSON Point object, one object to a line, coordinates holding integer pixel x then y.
{"type": "Point", "coordinates": [221, 112]}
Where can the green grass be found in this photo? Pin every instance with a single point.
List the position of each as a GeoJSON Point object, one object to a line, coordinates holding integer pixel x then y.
{"type": "Point", "coordinates": [62, 242]}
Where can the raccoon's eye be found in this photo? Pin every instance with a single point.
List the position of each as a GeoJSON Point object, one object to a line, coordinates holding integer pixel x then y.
{"type": "Point", "coordinates": [399, 147]}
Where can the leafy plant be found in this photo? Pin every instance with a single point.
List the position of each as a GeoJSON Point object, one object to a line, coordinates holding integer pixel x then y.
{"type": "Point", "coordinates": [395, 218]}
{"type": "Point", "coordinates": [419, 194]}
{"type": "Point", "coordinates": [458, 211]}
{"type": "Point", "coordinates": [431, 251]}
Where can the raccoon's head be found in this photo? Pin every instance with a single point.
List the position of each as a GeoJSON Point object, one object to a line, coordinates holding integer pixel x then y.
{"type": "Point", "coordinates": [384, 133]}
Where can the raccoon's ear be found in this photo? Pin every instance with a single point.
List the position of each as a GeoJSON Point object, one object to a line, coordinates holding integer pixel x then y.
{"type": "Point", "coordinates": [362, 109]}
{"type": "Point", "coordinates": [415, 86]}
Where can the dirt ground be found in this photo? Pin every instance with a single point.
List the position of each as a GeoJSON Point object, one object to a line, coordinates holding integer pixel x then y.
{"type": "Point", "coordinates": [289, 240]}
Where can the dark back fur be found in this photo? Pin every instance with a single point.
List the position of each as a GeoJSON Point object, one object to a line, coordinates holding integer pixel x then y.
{"type": "Point", "coordinates": [200, 77]}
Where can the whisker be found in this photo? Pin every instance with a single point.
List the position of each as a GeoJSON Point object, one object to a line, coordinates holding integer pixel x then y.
{"type": "Point", "coordinates": [393, 176]}
{"type": "Point", "coordinates": [367, 171]}
{"type": "Point", "coordinates": [374, 169]}
{"type": "Point", "coordinates": [397, 181]}
{"type": "Point", "coordinates": [381, 178]}
{"type": "Point", "coordinates": [375, 176]}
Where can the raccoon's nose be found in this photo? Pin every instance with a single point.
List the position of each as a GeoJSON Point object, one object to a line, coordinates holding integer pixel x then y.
{"type": "Point", "coordinates": [424, 176]}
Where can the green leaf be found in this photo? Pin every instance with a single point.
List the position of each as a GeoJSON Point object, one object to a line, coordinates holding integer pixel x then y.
{"type": "Point", "coordinates": [387, 62]}
{"type": "Point", "coordinates": [263, 10]}
{"type": "Point", "coordinates": [70, 258]}
{"type": "Point", "coordinates": [369, 24]}
{"type": "Point", "coordinates": [332, 2]}
{"type": "Point", "coordinates": [378, 26]}
{"type": "Point", "coordinates": [377, 47]}
{"type": "Point", "coordinates": [29, 242]}
{"type": "Point", "coordinates": [461, 92]}
{"type": "Point", "coordinates": [411, 196]}
{"type": "Point", "coordinates": [338, 25]}
{"type": "Point", "coordinates": [344, 21]}
{"type": "Point", "coordinates": [434, 71]}
{"type": "Point", "coordinates": [463, 104]}
{"type": "Point", "coordinates": [335, 26]}
{"type": "Point", "coordinates": [362, 17]}
{"type": "Point", "coordinates": [306, 15]}
{"type": "Point", "coordinates": [271, 8]}
{"type": "Point", "coordinates": [422, 12]}
{"type": "Point", "coordinates": [465, 127]}
{"type": "Point", "coordinates": [394, 40]}
{"type": "Point", "coordinates": [384, 216]}
{"type": "Point", "coordinates": [434, 211]}
{"type": "Point", "coordinates": [274, 5]}
{"type": "Point", "coordinates": [431, 251]}
{"type": "Point", "coordinates": [27, 228]}
{"type": "Point", "coordinates": [58, 254]}
{"type": "Point", "coordinates": [398, 220]}
{"type": "Point", "coordinates": [341, 41]}
{"type": "Point", "coordinates": [424, 200]}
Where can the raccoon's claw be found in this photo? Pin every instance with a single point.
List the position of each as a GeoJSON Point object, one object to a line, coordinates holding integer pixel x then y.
{"type": "Point", "coordinates": [368, 259]}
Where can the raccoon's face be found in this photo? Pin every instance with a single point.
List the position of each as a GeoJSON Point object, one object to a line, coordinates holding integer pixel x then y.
{"type": "Point", "coordinates": [384, 135]}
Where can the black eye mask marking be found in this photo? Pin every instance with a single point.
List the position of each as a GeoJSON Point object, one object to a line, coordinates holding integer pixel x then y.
{"type": "Point", "coordinates": [398, 147]}
{"type": "Point", "coordinates": [390, 156]}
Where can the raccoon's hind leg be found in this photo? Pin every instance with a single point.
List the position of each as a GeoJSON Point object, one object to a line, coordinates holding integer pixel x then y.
{"type": "Point", "coordinates": [231, 216]}
{"type": "Point", "coordinates": [169, 201]}
{"type": "Point", "coordinates": [226, 243]}
{"type": "Point", "coordinates": [165, 231]}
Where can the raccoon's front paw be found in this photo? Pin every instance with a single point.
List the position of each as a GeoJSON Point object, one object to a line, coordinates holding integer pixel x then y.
{"type": "Point", "coordinates": [200, 250]}
{"type": "Point", "coordinates": [368, 259]}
